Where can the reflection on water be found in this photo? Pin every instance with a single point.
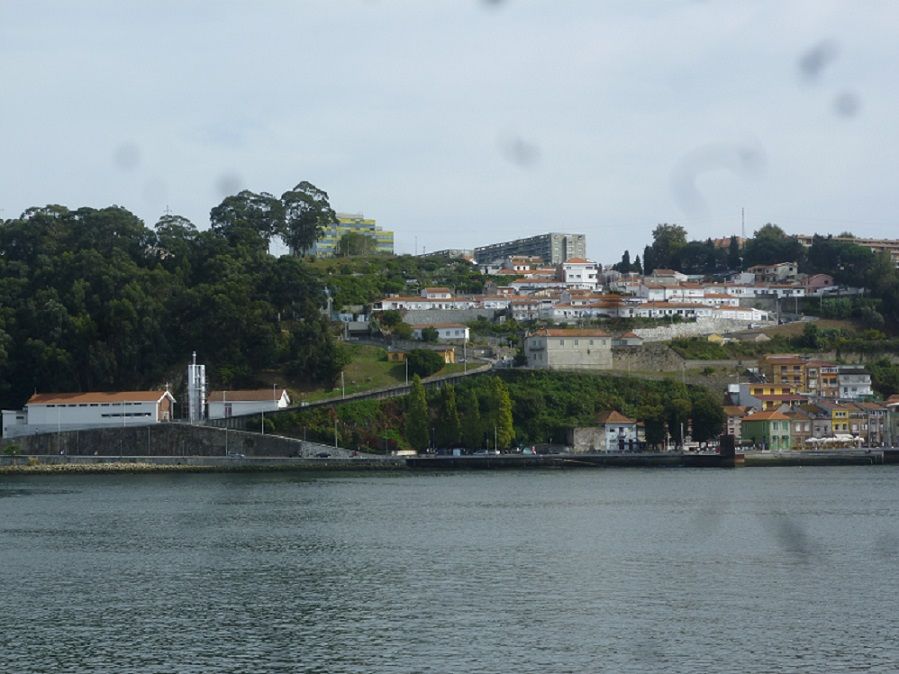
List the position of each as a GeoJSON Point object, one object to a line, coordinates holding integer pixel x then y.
{"type": "Point", "coordinates": [750, 570]}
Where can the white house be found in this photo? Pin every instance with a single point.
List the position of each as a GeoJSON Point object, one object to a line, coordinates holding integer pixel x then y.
{"type": "Point", "coordinates": [417, 303]}
{"type": "Point", "coordinates": [854, 382]}
{"type": "Point", "coordinates": [614, 432]}
{"type": "Point", "coordinates": [437, 293]}
{"type": "Point", "coordinates": [446, 332]}
{"type": "Point", "coordinates": [235, 403]}
{"type": "Point", "coordinates": [618, 432]}
{"type": "Point", "coordinates": [578, 272]}
{"type": "Point", "coordinates": [53, 412]}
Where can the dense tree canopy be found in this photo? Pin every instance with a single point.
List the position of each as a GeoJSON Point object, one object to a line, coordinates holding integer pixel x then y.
{"type": "Point", "coordinates": [91, 299]}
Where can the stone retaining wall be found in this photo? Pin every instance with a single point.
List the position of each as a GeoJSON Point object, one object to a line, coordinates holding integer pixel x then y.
{"type": "Point", "coordinates": [169, 440]}
{"type": "Point", "coordinates": [701, 326]}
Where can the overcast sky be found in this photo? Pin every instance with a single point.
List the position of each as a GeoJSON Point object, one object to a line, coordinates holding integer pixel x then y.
{"type": "Point", "coordinates": [458, 123]}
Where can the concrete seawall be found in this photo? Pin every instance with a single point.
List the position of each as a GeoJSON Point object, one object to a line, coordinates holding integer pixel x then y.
{"type": "Point", "coordinates": [169, 440]}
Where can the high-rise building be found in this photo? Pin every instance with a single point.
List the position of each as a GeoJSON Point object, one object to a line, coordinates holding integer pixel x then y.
{"type": "Point", "coordinates": [554, 248]}
{"type": "Point", "coordinates": [356, 223]}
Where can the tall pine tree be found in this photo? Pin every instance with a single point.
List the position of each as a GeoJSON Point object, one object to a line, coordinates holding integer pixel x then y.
{"type": "Point", "coordinates": [449, 427]}
{"type": "Point", "coordinates": [417, 416]}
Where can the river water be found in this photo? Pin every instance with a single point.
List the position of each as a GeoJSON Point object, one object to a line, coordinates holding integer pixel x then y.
{"type": "Point", "coordinates": [747, 570]}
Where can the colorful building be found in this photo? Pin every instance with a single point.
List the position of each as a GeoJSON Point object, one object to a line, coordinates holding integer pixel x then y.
{"type": "Point", "coordinates": [767, 430]}
{"type": "Point", "coordinates": [357, 223]}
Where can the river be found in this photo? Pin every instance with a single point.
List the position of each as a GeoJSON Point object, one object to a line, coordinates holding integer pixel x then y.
{"type": "Point", "coordinates": [678, 570]}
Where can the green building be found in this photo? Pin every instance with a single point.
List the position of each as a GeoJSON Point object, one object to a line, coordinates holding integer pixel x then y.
{"type": "Point", "coordinates": [352, 222]}
{"type": "Point", "coordinates": [768, 430]}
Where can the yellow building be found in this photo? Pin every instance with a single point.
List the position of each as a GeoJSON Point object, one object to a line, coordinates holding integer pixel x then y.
{"type": "Point", "coordinates": [787, 369]}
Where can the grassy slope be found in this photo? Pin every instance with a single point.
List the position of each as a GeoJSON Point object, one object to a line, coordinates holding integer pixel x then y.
{"type": "Point", "coordinates": [368, 369]}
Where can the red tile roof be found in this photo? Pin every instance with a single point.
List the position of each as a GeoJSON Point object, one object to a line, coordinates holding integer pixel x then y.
{"type": "Point", "coordinates": [766, 416]}
{"type": "Point", "coordinates": [96, 397]}
{"type": "Point", "coordinates": [613, 417]}
{"type": "Point", "coordinates": [571, 332]}
{"type": "Point", "coordinates": [241, 396]}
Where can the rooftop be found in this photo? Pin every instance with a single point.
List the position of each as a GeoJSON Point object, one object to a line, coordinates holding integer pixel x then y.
{"type": "Point", "coordinates": [96, 397]}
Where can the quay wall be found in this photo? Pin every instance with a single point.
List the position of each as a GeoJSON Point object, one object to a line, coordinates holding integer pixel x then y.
{"type": "Point", "coordinates": [168, 440]}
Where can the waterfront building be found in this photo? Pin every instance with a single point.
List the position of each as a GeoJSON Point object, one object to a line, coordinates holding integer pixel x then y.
{"type": "Point", "coordinates": [854, 382]}
{"type": "Point", "coordinates": [733, 415]}
{"type": "Point", "coordinates": [554, 248]}
{"type": "Point", "coordinates": [618, 432]}
{"type": "Point", "coordinates": [55, 412]}
{"type": "Point", "coordinates": [821, 378]}
{"type": "Point", "coordinates": [569, 349]}
{"type": "Point", "coordinates": [788, 370]}
{"type": "Point", "coordinates": [874, 422]}
{"type": "Point", "coordinates": [767, 430]}
{"type": "Point", "coordinates": [223, 404]}
{"type": "Point", "coordinates": [892, 420]}
{"type": "Point", "coordinates": [613, 432]}
{"type": "Point", "coordinates": [800, 428]}
{"type": "Point", "coordinates": [839, 416]}
{"type": "Point", "coordinates": [326, 245]}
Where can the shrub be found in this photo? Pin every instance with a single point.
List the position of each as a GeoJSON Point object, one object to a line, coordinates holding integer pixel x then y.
{"type": "Point", "coordinates": [423, 362]}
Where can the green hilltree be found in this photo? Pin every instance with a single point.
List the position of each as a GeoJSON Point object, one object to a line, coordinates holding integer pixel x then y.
{"type": "Point", "coordinates": [708, 416]}
{"type": "Point", "coordinates": [424, 362]}
{"type": "Point", "coordinates": [417, 416]}
{"type": "Point", "coordinates": [429, 334]}
{"type": "Point", "coordinates": [667, 240]}
{"type": "Point", "coordinates": [306, 212]}
{"type": "Point", "coordinates": [354, 244]}
{"type": "Point", "coordinates": [505, 431]}
{"type": "Point", "coordinates": [734, 254]}
{"type": "Point", "coordinates": [470, 414]}
{"type": "Point", "coordinates": [449, 425]}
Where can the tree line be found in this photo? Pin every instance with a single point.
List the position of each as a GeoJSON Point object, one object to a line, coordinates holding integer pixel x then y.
{"type": "Point", "coordinates": [514, 408]}
{"type": "Point", "coordinates": [92, 299]}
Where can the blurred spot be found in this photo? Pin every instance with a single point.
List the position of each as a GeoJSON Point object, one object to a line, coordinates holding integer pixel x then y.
{"type": "Point", "coordinates": [887, 547]}
{"type": "Point", "coordinates": [519, 151]}
{"type": "Point", "coordinates": [794, 539]}
{"type": "Point", "coordinates": [846, 104]}
{"type": "Point", "coordinates": [155, 191]}
{"type": "Point", "coordinates": [743, 160]}
{"type": "Point", "coordinates": [816, 59]}
{"type": "Point", "coordinates": [708, 519]}
{"type": "Point", "coordinates": [492, 3]}
{"type": "Point", "coordinates": [126, 156]}
{"type": "Point", "coordinates": [228, 184]}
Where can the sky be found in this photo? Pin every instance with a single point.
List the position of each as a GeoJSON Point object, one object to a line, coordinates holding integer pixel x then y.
{"type": "Point", "coordinates": [458, 123]}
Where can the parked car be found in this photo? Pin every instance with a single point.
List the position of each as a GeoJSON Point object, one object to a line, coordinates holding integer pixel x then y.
{"type": "Point", "coordinates": [322, 455]}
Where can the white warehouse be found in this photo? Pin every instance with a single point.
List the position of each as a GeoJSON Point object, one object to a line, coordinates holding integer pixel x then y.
{"type": "Point", "coordinates": [223, 404]}
{"type": "Point", "coordinates": [52, 412]}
